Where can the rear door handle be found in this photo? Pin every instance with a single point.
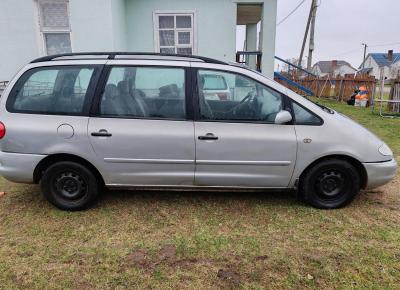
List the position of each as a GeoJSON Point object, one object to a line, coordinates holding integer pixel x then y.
{"type": "Point", "coordinates": [101, 133]}
{"type": "Point", "coordinates": [208, 136]}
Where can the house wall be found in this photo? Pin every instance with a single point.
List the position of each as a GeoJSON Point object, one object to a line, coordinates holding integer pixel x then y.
{"type": "Point", "coordinates": [215, 25]}
{"type": "Point", "coordinates": [119, 25]}
{"type": "Point", "coordinates": [376, 70]}
{"type": "Point", "coordinates": [394, 70]}
{"type": "Point", "coordinates": [344, 69]}
{"type": "Point", "coordinates": [94, 28]}
{"type": "Point", "coordinates": [127, 25]}
{"type": "Point", "coordinates": [316, 70]}
{"type": "Point", "coordinates": [18, 36]}
{"type": "Point", "coordinates": [268, 34]}
{"type": "Point", "coordinates": [91, 25]}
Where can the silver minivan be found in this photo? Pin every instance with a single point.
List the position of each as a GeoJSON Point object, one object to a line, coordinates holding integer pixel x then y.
{"type": "Point", "coordinates": [76, 123]}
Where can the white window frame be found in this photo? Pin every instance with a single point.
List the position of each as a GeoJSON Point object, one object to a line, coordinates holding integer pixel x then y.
{"type": "Point", "coordinates": [42, 31]}
{"type": "Point", "coordinates": [193, 30]}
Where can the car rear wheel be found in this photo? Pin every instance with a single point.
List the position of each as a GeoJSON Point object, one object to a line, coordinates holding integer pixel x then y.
{"type": "Point", "coordinates": [69, 186]}
{"type": "Point", "coordinates": [331, 183]}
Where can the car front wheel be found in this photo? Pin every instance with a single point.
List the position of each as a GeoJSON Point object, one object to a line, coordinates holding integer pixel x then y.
{"type": "Point", "coordinates": [329, 184]}
{"type": "Point", "coordinates": [69, 186]}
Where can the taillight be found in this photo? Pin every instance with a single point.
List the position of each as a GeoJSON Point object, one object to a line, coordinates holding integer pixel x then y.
{"type": "Point", "coordinates": [2, 130]}
{"type": "Point", "coordinates": [222, 96]}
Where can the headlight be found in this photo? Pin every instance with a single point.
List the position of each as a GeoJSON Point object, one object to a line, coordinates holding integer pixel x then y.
{"type": "Point", "coordinates": [385, 150]}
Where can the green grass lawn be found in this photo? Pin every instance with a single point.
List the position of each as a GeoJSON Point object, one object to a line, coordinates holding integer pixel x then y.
{"type": "Point", "coordinates": [190, 240]}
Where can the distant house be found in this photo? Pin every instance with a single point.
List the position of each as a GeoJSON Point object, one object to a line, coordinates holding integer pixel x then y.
{"type": "Point", "coordinates": [387, 63]}
{"type": "Point", "coordinates": [333, 68]}
{"type": "Point", "coordinates": [33, 28]}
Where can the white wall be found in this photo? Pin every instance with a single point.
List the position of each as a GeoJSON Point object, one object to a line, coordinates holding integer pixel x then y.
{"type": "Point", "coordinates": [91, 25]}
{"type": "Point", "coordinates": [18, 36]}
{"type": "Point", "coordinates": [119, 25]}
{"type": "Point", "coordinates": [344, 69]}
{"type": "Point", "coordinates": [268, 33]}
{"type": "Point", "coordinates": [376, 70]}
{"type": "Point", "coordinates": [215, 23]}
{"type": "Point", "coordinates": [394, 70]}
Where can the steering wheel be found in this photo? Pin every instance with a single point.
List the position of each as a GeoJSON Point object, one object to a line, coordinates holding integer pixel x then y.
{"type": "Point", "coordinates": [247, 98]}
{"type": "Point", "coordinates": [247, 107]}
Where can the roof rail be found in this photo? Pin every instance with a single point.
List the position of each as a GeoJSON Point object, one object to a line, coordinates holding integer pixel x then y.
{"type": "Point", "coordinates": [112, 55]}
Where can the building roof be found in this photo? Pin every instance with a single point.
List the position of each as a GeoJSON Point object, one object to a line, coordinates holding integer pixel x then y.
{"type": "Point", "coordinates": [383, 60]}
{"type": "Point", "coordinates": [326, 66]}
{"type": "Point", "coordinates": [365, 70]}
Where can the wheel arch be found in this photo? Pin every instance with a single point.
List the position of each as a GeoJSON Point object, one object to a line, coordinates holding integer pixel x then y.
{"type": "Point", "coordinates": [54, 158]}
{"type": "Point", "coordinates": [353, 161]}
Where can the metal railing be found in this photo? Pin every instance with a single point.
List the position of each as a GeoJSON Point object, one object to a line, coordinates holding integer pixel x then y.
{"type": "Point", "coordinates": [243, 57]}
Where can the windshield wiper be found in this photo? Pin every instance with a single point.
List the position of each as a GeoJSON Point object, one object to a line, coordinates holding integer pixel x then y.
{"type": "Point", "coordinates": [326, 109]}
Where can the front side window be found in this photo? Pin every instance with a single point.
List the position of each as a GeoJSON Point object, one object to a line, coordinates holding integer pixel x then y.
{"type": "Point", "coordinates": [54, 26]}
{"type": "Point", "coordinates": [52, 90]}
{"type": "Point", "coordinates": [174, 33]}
{"type": "Point", "coordinates": [304, 116]}
{"type": "Point", "coordinates": [234, 97]}
{"type": "Point", "coordinates": [144, 92]}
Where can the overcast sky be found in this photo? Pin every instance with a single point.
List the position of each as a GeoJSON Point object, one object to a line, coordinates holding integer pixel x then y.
{"type": "Point", "coordinates": [341, 27]}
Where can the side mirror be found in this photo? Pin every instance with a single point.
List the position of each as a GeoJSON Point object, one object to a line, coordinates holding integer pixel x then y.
{"type": "Point", "coordinates": [283, 117]}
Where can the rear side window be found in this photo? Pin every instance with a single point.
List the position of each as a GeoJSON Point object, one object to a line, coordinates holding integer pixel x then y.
{"type": "Point", "coordinates": [52, 90]}
{"type": "Point", "coordinates": [144, 92]}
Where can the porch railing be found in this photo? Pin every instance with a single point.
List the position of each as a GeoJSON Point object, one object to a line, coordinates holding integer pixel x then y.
{"type": "Point", "coordinates": [243, 57]}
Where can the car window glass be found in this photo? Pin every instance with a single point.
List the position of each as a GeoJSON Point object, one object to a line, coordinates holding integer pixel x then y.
{"type": "Point", "coordinates": [52, 90]}
{"type": "Point", "coordinates": [304, 116]}
{"type": "Point", "coordinates": [144, 92]}
{"type": "Point", "coordinates": [234, 97]}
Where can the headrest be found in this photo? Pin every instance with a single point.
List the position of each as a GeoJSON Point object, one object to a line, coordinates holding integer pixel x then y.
{"type": "Point", "coordinates": [169, 89]}
{"type": "Point", "coordinates": [123, 88]}
{"type": "Point", "coordinates": [110, 91]}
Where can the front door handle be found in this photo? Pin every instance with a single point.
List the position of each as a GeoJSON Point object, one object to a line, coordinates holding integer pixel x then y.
{"type": "Point", "coordinates": [101, 133]}
{"type": "Point", "coordinates": [208, 136]}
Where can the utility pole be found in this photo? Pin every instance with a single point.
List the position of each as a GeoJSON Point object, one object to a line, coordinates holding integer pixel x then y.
{"type": "Point", "coordinates": [310, 22]}
{"type": "Point", "coordinates": [311, 44]}
{"type": "Point", "coordinates": [306, 34]}
{"type": "Point", "coordinates": [365, 54]}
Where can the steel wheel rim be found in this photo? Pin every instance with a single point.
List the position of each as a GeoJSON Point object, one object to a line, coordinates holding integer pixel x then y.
{"type": "Point", "coordinates": [330, 184]}
{"type": "Point", "coordinates": [70, 185]}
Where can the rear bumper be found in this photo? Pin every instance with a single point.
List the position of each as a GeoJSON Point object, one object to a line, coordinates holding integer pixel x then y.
{"type": "Point", "coordinates": [19, 167]}
{"type": "Point", "coordinates": [380, 173]}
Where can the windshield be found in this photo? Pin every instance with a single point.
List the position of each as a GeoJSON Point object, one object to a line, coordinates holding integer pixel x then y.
{"type": "Point", "coordinates": [214, 82]}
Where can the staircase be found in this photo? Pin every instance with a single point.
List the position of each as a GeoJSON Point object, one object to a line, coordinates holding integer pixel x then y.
{"type": "Point", "coordinates": [287, 81]}
{"type": "Point", "coordinates": [283, 79]}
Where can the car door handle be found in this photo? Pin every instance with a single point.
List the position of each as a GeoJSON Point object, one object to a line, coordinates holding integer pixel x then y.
{"type": "Point", "coordinates": [101, 133]}
{"type": "Point", "coordinates": [208, 136]}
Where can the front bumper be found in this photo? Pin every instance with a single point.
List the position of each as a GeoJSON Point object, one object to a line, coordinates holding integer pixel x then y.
{"type": "Point", "coordinates": [18, 167]}
{"type": "Point", "coordinates": [380, 173]}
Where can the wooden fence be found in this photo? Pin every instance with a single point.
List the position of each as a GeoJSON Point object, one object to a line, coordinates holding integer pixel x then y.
{"type": "Point", "coordinates": [339, 88]}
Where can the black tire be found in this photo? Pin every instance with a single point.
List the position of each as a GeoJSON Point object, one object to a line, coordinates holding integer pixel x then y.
{"type": "Point", "coordinates": [69, 186]}
{"type": "Point", "coordinates": [329, 184]}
